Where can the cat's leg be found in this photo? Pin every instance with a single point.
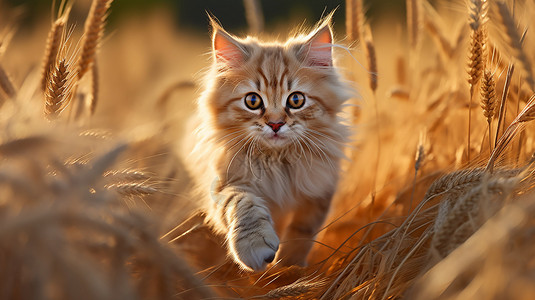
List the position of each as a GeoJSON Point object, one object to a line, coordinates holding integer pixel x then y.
{"type": "Point", "coordinates": [299, 237]}
{"type": "Point", "coordinates": [251, 238]}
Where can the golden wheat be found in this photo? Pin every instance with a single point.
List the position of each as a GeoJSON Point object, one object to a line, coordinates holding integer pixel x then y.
{"type": "Point", "coordinates": [354, 20]}
{"type": "Point", "coordinates": [515, 41]}
{"type": "Point", "coordinates": [254, 16]}
{"type": "Point", "coordinates": [87, 209]}
{"type": "Point", "coordinates": [503, 101]}
{"type": "Point", "coordinates": [488, 100]}
{"type": "Point", "coordinates": [372, 63]}
{"type": "Point", "coordinates": [6, 84]}
{"type": "Point", "coordinates": [94, 87]}
{"type": "Point", "coordinates": [93, 32]}
{"type": "Point", "coordinates": [53, 44]}
{"type": "Point", "coordinates": [58, 90]}
{"type": "Point", "coordinates": [414, 22]}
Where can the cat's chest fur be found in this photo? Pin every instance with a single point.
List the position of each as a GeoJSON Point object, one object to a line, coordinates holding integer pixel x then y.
{"type": "Point", "coordinates": [285, 180]}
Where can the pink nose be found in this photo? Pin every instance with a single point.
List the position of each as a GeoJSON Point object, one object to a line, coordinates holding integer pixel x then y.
{"type": "Point", "coordinates": [275, 126]}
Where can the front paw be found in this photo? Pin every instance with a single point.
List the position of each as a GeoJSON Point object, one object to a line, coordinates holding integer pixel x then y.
{"type": "Point", "coordinates": [253, 245]}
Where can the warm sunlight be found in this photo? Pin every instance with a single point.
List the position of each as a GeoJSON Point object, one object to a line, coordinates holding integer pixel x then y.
{"type": "Point", "coordinates": [267, 149]}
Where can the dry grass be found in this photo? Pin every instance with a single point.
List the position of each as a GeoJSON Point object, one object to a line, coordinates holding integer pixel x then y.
{"type": "Point", "coordinates": [94, 204]}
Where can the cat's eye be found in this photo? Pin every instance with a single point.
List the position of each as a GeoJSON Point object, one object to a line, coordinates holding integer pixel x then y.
{"type": "Point", "coordinates": [253, 101]}
{"type": "Point", "coordinates": [295, 100]}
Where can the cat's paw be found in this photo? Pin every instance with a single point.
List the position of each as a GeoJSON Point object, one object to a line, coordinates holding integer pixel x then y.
{"type": "Point", "coordinates": [254, 246]}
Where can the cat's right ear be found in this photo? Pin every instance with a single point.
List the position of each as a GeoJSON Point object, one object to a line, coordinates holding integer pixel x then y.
{"type": "Point", "coordinates": [226, 49]}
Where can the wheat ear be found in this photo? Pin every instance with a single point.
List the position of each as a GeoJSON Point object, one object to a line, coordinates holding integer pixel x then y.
{"type": "Point", "coordinates": [518, 124]}
{"type": "Point", "coordinates": [372, 72]}
{"type": "Point", "coordinates": [413, 22]}
{"type": "Point", "coordinates": [354, 20]}
{"type": "Point", "coordinates": [254, 16]}
{"type": "Point", "coordinates": [476, 64]}
{"type": "Point", "coordinates": [93, 31]}
{"type": "Point", "coordinates": [53, 44]}
{"type": "Point", "coordinates": [467, 206]}
{"type": "Point", "coordinates": [127, 175]}
{"type": "Point", "coordinates": [132, 189]}
{"type": "Point", "coordinates": [293, 290]}
{"type": "Point", "coordinates": [462, 180]}
{"type": "Point", "coordinates": [58, 90]}
{"type": "Point", "coordinates": [515, 41]}
{"type": "Point", "coordinates": [371, 59]}
{"type": "Point", "coordinates": [488, 100]}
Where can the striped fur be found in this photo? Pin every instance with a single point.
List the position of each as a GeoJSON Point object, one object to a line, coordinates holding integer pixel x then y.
{"type": "Point", "coordinates": [250, 180]}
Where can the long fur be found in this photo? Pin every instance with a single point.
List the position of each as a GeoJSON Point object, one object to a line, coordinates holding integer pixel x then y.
{"type": "Point", "coordinates": [248, 183]}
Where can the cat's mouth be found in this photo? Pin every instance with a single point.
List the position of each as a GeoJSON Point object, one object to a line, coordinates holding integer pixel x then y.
{"type": "Point", "coordinates": [276, 139]}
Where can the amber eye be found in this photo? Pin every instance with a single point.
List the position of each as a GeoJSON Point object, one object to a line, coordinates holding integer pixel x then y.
{"type": "Point", "coordinates": [295, 100]}
{"type": "Point", "coordinates": [253, 101]}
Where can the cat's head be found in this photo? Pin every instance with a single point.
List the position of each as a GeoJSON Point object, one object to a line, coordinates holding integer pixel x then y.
{"type": "Point", "coordinates": [275, 94]}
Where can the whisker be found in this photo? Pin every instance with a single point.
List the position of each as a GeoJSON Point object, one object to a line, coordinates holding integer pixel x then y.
{"type": "Point", "coordinates": [241, 148]}
{"type": "Point", "coordinates": [311, 147]}
{"type": "Point", "coordinates": [326, 136]}
{"type": "Point", "coordinates": [249, 156]}
{"type": "Point", "coordinates": [302, 150]}
{"type": "Point", "coordinates": [329, 160]}
{"type": "Point", "coordinates": [230, 134]}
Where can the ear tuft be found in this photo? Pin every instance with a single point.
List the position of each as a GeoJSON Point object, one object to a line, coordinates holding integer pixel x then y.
{"type": "Point", "coordinates": [226, 48]}
{"type": "Point", "coordinates": [320, 47]}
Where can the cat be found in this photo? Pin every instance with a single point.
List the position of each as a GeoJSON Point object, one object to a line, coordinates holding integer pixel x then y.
{"type": "Point", "coordinates": [269, 143]}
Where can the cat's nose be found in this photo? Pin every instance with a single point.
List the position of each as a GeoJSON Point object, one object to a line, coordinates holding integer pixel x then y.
{"type": "Point", "coordinates": [275, 126]}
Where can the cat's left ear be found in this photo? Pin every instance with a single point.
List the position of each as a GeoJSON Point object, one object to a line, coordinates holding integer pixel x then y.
{"type": "Point", "coordinates": [226, 48]}
{"type": "Point", "coordinates": [319, 47]}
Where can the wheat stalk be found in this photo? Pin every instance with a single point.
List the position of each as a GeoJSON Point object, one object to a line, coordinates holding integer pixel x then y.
{"type": "Point", "coordinates": [7, 36]}
{"type": "Point", "coordinates": [94, 87]}
{"type": "Point", "coordinates": [6, 84]}
{"type": "Point", "coordinates": [502, 109]}
{"type": "Point", "coordinates": [419, 160]}
{"type": "Point", "coordinates": [93, 32]}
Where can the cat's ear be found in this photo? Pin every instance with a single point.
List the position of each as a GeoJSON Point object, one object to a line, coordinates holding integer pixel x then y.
{"type": "Point", "coordinates": [318, 47]}
{"type": "Point", "coordinates": [226, 48]}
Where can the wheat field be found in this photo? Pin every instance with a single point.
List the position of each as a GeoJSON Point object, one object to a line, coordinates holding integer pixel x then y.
{"type": "Point", "coordinates": [435, 200]}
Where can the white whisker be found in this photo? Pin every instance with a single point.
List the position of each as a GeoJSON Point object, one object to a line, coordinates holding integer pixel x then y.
{"type": "Point", "coordinates": [329, 160]}
{"type": "Point", "coordinates": [241, 148]}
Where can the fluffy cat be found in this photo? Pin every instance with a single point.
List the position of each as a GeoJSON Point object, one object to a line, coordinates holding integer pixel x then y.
{"type": "Point", "coordinates": [269, 143]}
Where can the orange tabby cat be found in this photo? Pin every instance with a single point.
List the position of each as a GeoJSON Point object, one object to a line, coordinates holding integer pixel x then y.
{"type": "Point", "coordinates": [269, 143]}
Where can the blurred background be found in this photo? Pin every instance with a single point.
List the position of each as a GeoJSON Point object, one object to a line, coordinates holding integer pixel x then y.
{"type": "Point", "coordinates": [192, 14]}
